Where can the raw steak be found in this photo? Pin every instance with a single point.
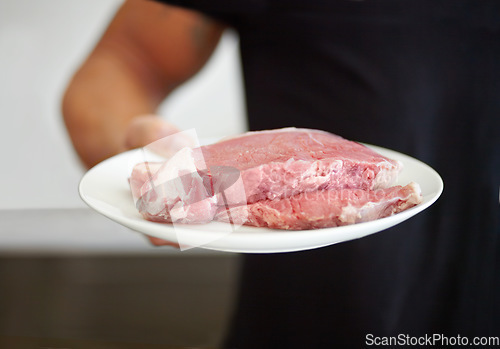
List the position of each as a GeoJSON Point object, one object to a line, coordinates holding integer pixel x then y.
{"type": "Point", "coordinates": [174, 191]}
{"type": "Point", "coordinates": [282, 163]}
{"type": "Point", "coordinates": [274, 168]}
{"type": "Point", "coordinates": [141, 173]}
{"type": "Point", "coordinates": [324, 208]}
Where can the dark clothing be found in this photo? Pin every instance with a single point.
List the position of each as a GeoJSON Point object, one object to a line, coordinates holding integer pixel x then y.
{"type": "Point", "coordinates": [418, 76]}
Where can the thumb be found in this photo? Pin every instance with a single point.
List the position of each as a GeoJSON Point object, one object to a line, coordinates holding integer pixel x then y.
{"type": "Point", "coordinates": [145, 129]}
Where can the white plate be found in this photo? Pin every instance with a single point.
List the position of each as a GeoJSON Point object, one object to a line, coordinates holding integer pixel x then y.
{"type": "Point", "coordinates": [105, 189]}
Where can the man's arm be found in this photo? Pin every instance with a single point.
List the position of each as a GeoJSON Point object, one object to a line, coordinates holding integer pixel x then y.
{"type": "Point", "coordinates": [146, 52]}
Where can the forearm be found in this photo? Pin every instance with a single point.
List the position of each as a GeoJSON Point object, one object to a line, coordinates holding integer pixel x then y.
{"type": "Point", "coordinates": [101, 100]}
{"type": "Point", "coordinates": [146, 52]}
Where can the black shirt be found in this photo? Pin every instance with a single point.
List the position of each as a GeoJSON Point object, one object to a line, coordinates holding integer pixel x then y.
{"type": "Point", "coordinates": [418, 76]}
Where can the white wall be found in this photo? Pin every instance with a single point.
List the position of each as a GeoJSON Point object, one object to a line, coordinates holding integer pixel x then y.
{"type": "Point", "coordinates": [41, 44]}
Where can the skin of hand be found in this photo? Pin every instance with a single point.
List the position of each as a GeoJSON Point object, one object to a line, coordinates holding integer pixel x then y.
{"type": "Point", "coordinates": [147, 51]}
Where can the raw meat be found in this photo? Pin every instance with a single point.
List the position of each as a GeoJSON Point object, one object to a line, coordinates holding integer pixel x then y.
{"type": "Point", "coordinates": [324, 208]}
{"type": "Point", "coordinates": [281, 163]}
{"type": "Point", "coordinates": [270, 171]}
{"type": "Point", "coordinates": [141, 173]}
{"type": "Point", "coordinates": [178, 191]}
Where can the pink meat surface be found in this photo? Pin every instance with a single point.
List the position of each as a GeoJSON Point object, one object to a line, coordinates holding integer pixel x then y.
{"type": "Point", "coordinates": [282, 163]}
{"type": "Point", "coordinates": [324, 208]}
{"type": "Point", "coordinates": [141, 173]}
{"type": "Point", "coordinates": [276, 168]}
{"type": "Point", "coordinates": [175, 190]}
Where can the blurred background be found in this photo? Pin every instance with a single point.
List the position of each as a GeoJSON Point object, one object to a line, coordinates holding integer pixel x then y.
{"type": "Point", "coordinates": [67, 273]}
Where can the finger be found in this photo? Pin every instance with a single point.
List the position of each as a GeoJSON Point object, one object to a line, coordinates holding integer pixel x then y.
{"type": "Point", "coordinates": [146, 129]}
{"type": "Point", "coordinates": [159, 136]}
{"type": "Point", "coordinates": [160, 242]}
